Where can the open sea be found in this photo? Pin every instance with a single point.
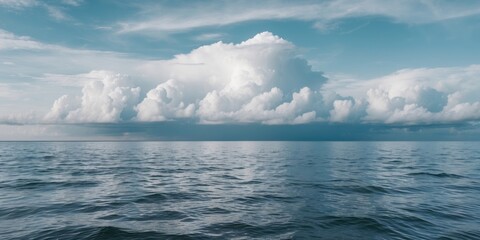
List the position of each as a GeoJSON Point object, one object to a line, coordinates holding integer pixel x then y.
{"type": "Point", "coordinates": [239, 190]}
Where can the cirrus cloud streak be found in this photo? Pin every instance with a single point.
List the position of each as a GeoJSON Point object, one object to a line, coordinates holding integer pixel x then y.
{"type": "Point", "coordinates": [220, 13]}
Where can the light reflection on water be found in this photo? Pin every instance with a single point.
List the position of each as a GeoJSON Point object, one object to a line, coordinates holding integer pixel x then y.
{"type": "Point", "coordinates": [239, 190]}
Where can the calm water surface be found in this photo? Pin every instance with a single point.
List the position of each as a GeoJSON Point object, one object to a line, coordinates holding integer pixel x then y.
{"type": "Point", "coordinates": [240, 190]}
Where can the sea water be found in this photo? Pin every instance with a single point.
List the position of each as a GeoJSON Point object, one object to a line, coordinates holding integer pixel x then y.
{"type": "Point", "coordinates": [239, 190]}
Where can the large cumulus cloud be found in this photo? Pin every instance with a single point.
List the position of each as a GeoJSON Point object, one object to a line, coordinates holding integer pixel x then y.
{"type": "Point", "coordinates": [255, 80]}
{"type": "Point", "coordinates": [265, 80]}
{"type": "Point", "coordinates": [106, 97]}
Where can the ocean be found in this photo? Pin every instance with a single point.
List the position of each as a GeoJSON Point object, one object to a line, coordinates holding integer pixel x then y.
{"type": "Point", "coordinates": [239, 190]}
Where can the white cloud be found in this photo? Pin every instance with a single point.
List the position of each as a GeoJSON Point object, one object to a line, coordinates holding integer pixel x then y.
{"type": "Point", "coordinates": [267, 107]}
{"type": "Point", "coordinates": [52, 62]}
{"type": "Point", "coordinates": [417, 96]}
{"type": "Point", "coordinates": [215, 83]}
{"type": "Point", "coordinates": [228, 81]}
{"type": "Point", "coordinates": [164, 18]}
{"type": "Point", "coordinates": [103, 100]}
{"type": "Point", "coordinates": [342, 110]}
{"type": "Point", "coordinates": [300, 109]}
{"type": "Point", "coordinates": [56, 12]}
{"type": "Point", "coordinates": [35, 73]}
{"type": "Point", "coordinates": [54, 9]}
{"type": "Point", "coordinates": [208, 37]}
{"type": "Point", "coordinates": [74, 3]}
{"type": "Point", "coordinates": [9, 41]}
{"type": "Point", "coordinates": [18, 3]}
{"type": "Point", "coordinates": [262, 79]}
{"type": "Point", "coordinates": [164, 102]}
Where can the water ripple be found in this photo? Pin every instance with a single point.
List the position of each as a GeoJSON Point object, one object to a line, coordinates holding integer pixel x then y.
{"type": "Point", "coordinates": [239, 190]}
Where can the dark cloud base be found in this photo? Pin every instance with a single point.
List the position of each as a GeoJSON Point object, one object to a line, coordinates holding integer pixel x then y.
{"type": "Point", "coordinates": [188, 131]}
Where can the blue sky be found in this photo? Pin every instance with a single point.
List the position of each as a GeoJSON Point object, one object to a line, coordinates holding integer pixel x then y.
{"type": "Point", "coordinates": [376, 66]}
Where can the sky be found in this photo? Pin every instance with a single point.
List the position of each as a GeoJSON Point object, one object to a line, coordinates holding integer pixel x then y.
{"type": "Point", "coordinates": [239, 70]}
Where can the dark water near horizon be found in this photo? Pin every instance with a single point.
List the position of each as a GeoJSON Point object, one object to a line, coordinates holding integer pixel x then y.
{"type": "Point", "coordinates": [240, 190]}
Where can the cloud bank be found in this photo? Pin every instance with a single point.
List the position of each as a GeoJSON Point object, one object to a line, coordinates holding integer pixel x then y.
{"type": "Point", "coordinates": [259, 80]}
{"type": "Point", "coordinates": [265, 80]}
{"type": "Point", "coordinates": [416, 96]}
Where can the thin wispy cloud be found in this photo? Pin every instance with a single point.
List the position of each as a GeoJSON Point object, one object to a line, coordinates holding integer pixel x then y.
{"type": "Point", "coordinates": [9, 41]}
{"type": "Point", "coordinates": [18, 3]}
{"type": "Point", "coordinates": [56, 10]}
{"type": "Point", "coordinates": [75, 3]}
{"type": "Point", "coordinates": [220, 13]}
{"type": "Point", "coordinates": [208, 37]}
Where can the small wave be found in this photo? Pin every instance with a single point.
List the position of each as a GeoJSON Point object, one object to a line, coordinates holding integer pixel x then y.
{"type": "Point", "coordinates": [409, 219]}
{"type": "Point", "coordinates": [215, 210]}
{"type": "Point", "coordinates": [250, 182]}
{"type": "Point", "coordinates": [439, 175]}
{"type": "Point", "coordinates": [363, 222]}
{"type": "Point", "coordinates": [57, 208]}
{"type": "Point", "coordinates": [356, 188]}
{"type": "Point", "coordinates": [363, 189]}
{"type": "Point", "coordinates": [152, 198]}
{"type": "Point", "coordinates": [29, 184]}
{"type": "Point", "coordinates": [104, 232]}
{"type": "Point", "coordinates": [472, 186]}
{"type": "Point", "coordinates": [160, 197]}
{"type": "Point", "coordinates": [210, 169]}
{"type": "Point", "coordinates": [229, 229]}
{"type": "Point", "coordinates": [113, 216]}
{"type": "Point", "coordinates": [257, 199]}
{"type": "Point", "coordinates": [230, 177]}
{"type": "Point", "coordinates": [161, 215]}
{"type": "Point", "coordinates": [445, 212]}
{"type": "Point", "coordinates": [396, 161]}
{"type": "Point", "coordinates": [466, 235]}
{"type": "Point", "coordinates": [18, 212]}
